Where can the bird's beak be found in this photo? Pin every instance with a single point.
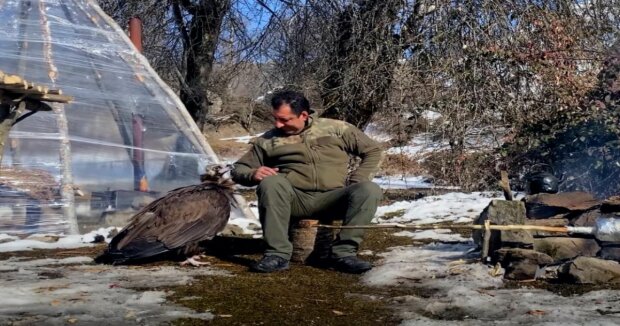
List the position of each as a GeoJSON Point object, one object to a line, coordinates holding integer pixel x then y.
{"type": "Point", "coordinates": [227, 169]}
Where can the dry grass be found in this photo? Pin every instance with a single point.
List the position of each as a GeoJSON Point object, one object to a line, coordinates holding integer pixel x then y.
{"type": "Point", "coordinates": [227, 148]}
{"type": "Point", "coordinates": [398, 164]}
{"type": "Point", "coordinates": [471, 171]}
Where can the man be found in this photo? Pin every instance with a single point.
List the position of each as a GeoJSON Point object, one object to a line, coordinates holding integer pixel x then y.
{"type": "Point", "coordinates": [301, 168]}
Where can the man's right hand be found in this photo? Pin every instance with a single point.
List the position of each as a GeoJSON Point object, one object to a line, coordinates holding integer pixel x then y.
{"type": "Point", "coordinates": [263, 172]}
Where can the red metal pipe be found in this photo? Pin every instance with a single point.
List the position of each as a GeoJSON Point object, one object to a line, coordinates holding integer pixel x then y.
{"type": "Point", "coordinates": [135, 32]}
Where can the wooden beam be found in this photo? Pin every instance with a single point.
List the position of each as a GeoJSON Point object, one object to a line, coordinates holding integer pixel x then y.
{"type": "Point", "coordinates": [51, 98]}
{"type": "Point", "coordinates": [17, 85]}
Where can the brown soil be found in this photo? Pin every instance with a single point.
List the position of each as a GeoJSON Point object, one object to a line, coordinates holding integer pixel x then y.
{"type": "Point", "coordinates": [303, 294]}
{"type": "Point", "coordinates": [563, 289]}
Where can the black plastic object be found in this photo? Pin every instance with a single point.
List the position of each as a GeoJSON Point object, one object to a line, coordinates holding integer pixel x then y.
{"type": "Point", "coordinates": [542, 181]}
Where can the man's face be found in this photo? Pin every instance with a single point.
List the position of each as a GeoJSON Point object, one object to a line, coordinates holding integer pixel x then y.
{"type": "Point", "coordinates": [287, 121]}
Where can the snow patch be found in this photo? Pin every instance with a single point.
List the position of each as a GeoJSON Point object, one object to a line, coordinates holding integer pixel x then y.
{"type": "Point", "coordinates": [443, 235]}
{"type": "Point", "coordinates": [452, 207]}
{"type": "Point", "coordinates": [54, 291]}
{"type": "Point", "coordinates": [396, 182]}
{"type": "Point", "coordinates": [64, 241]}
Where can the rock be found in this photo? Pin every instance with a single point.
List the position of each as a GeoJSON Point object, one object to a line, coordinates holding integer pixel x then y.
{"type": "Point", "coordinates": [590, 270]}
{"type": "Point", "coordinates": [587, 218]}
{"type": "Point", "coordinates": [611, 253]}
{"type": "Point", "coordinates": [98, 239]}
{"type": "Point", "coordinates": [44, 238]}
{"type": "Point", "coordinates": [563, 247]}
{"type": "Point", "coordinates": [611, 205]}
{"type": "Point", "coordinates": [503, 212]}
{"type": "Point", "coordinates": [547, 205]}
{"type": "Point", "coordinates": [521, 264]}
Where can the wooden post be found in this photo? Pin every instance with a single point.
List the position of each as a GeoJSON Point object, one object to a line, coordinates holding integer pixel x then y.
{"type": "Point", "coordinates": [487, 240]}
{"type": "Point", "coordinates": [135, 33]}
{"type": "Point", "coordinates": [505, 185]}
{"type": "Point", "coordinates": [6, 119]}
{"type": "Point", "coordinates": [310, 241]}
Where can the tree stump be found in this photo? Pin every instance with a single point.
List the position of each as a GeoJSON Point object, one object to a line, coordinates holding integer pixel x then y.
{"type": "Point", "coordinates": [308, 240]}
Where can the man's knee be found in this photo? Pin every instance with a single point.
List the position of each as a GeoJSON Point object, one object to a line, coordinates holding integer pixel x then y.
{"type": "Point", "coordinates": [367, 189]}
{"type": "Point", "coordinates": [274, 183]}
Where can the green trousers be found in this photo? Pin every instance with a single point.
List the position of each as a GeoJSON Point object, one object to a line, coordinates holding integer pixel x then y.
{"type": "Point", "coordinates": [279, 203]}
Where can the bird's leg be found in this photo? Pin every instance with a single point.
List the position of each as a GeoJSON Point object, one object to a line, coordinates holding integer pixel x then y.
{"type": "Point", "coordinates": [194, 261]}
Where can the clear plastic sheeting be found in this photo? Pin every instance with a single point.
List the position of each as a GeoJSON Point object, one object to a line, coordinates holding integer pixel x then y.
{"type": "Point", "coordinates": [123, 141]}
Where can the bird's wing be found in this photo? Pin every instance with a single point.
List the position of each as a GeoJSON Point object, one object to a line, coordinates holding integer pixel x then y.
{"type": "Point", "coordinates": [198, 216]}
{"type": "Point", "coordinates": [144, 225]}
{"type": "Point", "coordinates": [187, 215]}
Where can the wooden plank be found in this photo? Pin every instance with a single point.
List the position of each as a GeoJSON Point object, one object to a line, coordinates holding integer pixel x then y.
{"type": "Point", "coordinates": [14, 80]}
{"type": "Point", "coordinates": [19, 90]}
{"type": "Point", "coordinates": [51, 98]}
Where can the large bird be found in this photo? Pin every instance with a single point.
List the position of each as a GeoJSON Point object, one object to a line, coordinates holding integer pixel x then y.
{"type": "Point", "coordinates": [176, 223]}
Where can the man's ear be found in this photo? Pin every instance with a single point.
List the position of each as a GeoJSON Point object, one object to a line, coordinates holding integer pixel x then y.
{"type": "Point", "coordinates": [304, 115]}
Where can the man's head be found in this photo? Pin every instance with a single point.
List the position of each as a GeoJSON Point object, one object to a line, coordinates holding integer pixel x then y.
{"type": "Point", "coordinates": [290, 111]}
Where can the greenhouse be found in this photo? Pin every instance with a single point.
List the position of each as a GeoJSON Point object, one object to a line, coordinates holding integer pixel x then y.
{"type": "Point", "coordinates": [123, 139]}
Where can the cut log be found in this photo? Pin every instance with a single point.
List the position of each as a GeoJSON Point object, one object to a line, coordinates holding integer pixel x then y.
{"type": "Point", "coordinates": [303, 235]}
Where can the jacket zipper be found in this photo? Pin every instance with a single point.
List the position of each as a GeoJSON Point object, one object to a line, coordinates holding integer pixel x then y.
{"type": "Point", "coordinates": [315, 176]}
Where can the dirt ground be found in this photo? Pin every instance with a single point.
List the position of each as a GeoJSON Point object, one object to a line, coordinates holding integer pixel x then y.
{"type": "Point", "coordinates": [303, 294]}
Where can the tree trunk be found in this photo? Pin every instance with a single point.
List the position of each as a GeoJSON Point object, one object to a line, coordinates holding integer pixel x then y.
{"type": "Point", "coordinates": [362, 66]}
{"type": "Point", "coordinates": [201, 34]}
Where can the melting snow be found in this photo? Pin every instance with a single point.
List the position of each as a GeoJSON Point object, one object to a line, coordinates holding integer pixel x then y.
{"type": "Point", "coordinates": [69, 241]}
{"type": "Point", "coordinates": [395, 182]}
{"type": "Point", "coordinates": [73, 290]}
{"type": "Point", "coordinates": [442, 235]}
{"type": "Point", "coordinates": [454, 207]}
{"type": "Point", "coordinates": [456, 288]}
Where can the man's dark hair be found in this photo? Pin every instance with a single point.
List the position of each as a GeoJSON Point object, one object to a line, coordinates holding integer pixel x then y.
{"type": "Point", "coordinates": [298, 102]}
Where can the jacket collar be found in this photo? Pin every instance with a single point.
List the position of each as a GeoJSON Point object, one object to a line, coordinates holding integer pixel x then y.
{"type": "Point", "coordinates": [313, 116]}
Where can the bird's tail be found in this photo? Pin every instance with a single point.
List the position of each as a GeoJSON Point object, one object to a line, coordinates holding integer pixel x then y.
{"type": "Point", "coordinates": [111, 257]}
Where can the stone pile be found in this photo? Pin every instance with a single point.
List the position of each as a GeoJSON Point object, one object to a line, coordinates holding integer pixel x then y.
{"type": "Point", "coordinates": [564, 257]}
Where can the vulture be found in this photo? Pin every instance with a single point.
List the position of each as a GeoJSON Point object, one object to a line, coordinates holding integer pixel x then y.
{"type": "Point", "coordinates": [176, 223]}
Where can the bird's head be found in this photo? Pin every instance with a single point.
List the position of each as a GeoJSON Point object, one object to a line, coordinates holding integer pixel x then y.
{"type": "Point", "coordinates": [218, 173]}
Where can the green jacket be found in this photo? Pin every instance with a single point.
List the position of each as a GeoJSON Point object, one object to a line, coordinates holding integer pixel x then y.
{"type": "Point", "coordinates": [314, 160]}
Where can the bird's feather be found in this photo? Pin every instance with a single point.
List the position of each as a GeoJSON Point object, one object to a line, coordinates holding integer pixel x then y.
{"type": "Point", "coordinates": [177, 221]}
